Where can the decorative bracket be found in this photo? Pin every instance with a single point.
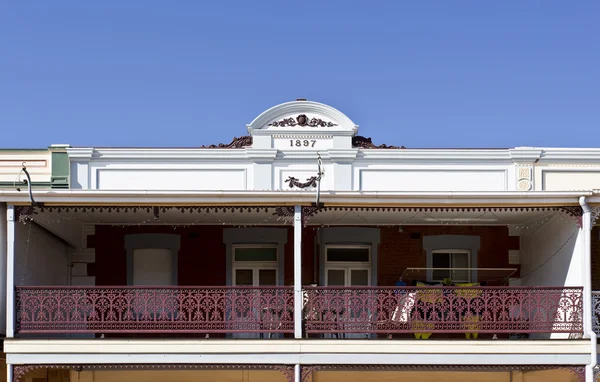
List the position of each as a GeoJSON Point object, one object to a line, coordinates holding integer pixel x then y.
{"type": "Point", "coordinates": [595, 215]}
{"type": "Point", "coordinates": [25, 214]}
{"type": "Point", "coordinates": [287, 212]}
{"type": "Point", "coordinates": [574, 212]}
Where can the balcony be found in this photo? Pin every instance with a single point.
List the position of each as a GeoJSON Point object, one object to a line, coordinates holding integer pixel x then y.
{"type": "Point", "coordinates": [339, 311]}
{"type": "Point", "coordinates": [155, 310]}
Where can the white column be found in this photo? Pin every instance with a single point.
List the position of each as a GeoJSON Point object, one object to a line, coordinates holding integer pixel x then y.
{"type": "Point", "coordinates": [588, 308]}
{"type": "Point", "coordinates": [298, 272]}
{"type": "Point", "coordinates": [9, 373]}
{"type": "Point", "coordinates": [3, 240]}
{"type": "Point", "coordinates": [10, 271]}
{"type": "Point", "coordinates": [297, 373]}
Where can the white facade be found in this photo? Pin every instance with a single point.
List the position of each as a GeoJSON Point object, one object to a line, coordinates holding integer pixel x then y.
{"type": "Point", "coordinates": [291, 141]}
{"type": "Point", "coordinates": [278, 152]}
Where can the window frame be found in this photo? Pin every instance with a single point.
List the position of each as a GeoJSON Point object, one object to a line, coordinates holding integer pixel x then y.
{"type": "Point", "coordinates": [348, 266]}
{"type": "Point", "coordinates": [168, 241]}
{"type": "Point", "coordinates": [255, 266]}
{"type": "Point", "coordinates": [452, 252]}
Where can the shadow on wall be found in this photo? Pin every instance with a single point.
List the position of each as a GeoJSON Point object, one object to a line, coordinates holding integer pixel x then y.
{"type": "Point", "coordinates": [551, 256]}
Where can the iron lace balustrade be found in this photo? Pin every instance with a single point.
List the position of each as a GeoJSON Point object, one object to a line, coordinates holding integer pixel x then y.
{"type": "Point", "coordinates": [155, 309]}
{"type": "Point", "coordinates": [596, 311]}
{"type": "Point", "coordinates": [387, 310]}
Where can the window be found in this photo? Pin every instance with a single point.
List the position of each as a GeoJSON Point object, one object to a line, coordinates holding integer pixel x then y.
{"type": "Point", "coordinates": [460, 259]}
{"type": "Point", "coordinates": [152, 259]}
{"type": "Point", "coordinates": [348, 266]}
{"type": "Point", "coordinates": [255, 265]}
{"type": "Point", "coordinates": [153, 267]}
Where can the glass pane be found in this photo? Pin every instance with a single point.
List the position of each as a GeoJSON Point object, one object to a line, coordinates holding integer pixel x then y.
{"type": "Point", "coordinates": [336, 277]}
{"type": "Point", "coordinates": [359, 277]}
{"type": "Point", "coordinates": [267, 277]}
{"type": "Point", "coordinates": [440, 260]}
{"type": "Point", "coordinates": [348, 254]}
{"type": "Point", "coordinates": [460, 260]}
{"type": "Point", "coordinates": [243, 277]}
{"type": "Point", "coordinates": [256, 254]}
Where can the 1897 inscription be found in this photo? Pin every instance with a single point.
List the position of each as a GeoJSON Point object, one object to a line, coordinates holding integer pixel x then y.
{"type": "Point", "coordinates": [302, 142]}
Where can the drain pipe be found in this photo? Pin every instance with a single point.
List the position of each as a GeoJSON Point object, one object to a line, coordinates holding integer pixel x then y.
{"type": "Point", "coordinates": [586, 222]}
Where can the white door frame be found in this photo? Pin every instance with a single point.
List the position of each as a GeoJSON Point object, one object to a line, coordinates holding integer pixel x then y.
{"type": "Point", "coordinates": [347, 267]}
{"type": "Point", "coordinates": [255, 266]}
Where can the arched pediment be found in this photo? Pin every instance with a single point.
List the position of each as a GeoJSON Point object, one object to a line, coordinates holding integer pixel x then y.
{"type": "Point", "coordinates": [302, 116]}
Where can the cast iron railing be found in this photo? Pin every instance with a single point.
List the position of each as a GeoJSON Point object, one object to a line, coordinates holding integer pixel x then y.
{"type": "Point", "coordinates": [155, 309]}
{"type": "Point", "coordinates": [340, 310]}
{"type": "Point", "coordinates": [596, 311]}
{"type": "Point", "coordinates": [267, 310]}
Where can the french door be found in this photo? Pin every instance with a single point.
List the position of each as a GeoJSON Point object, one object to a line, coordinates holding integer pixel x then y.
{"type": "Point", "coordinates": [349, 266]}
{"type": "Point", "coordinates": [254, 266]}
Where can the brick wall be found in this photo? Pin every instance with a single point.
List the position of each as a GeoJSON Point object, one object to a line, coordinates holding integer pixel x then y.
{"type": "Point", "coordinates": [202, 255]}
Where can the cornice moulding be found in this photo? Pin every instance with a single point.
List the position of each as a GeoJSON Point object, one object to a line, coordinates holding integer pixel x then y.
{"type": "Point", "coordinates": [342, 155]}
{"type": "Point", "coordinates": [80, 152]}
{"type": "Point", "coordinates": [525, 155]}
{"type": "Point", "coordinates": [571, 155]}
{"type": "Point", "coordinates": [261, 155]}
{"type": "Point", "coordinates": [302, 155]}
{"type": "Point", "coordinates": [281, 198]}
{"type": "Point", "coordinates": [429, 155]}
{"type": "Point", "coordinates": [154, 154]}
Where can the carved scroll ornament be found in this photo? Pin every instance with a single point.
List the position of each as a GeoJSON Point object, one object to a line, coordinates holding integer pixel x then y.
{"type": "Point", "coordinates": [295, 182]}
{"type": "Point", "coordinates": [236, 143]}
{"type": "Point", "coordinates": [302, 120]}
{"type": "Point", "coordinates": [366, 143]}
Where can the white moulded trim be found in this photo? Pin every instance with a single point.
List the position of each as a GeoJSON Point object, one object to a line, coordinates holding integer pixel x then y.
{"type": "Point", "coordinates": [303, 359]}
{"type": "Point", "coordinates": [288, 197]}
{"type": "Point", "coordinates": [305, 107]}
{"type": "Point", "coordinates": [303, 351]}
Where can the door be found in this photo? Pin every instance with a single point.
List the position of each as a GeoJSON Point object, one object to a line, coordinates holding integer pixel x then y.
{"type": "Point", "coordinates": [349, 266]}
{"type": "Point", "coordinates": [254, 266]}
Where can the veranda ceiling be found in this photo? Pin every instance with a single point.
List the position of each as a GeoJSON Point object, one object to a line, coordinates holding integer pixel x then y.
{"type": "Point", "coordinates": [283, 216]}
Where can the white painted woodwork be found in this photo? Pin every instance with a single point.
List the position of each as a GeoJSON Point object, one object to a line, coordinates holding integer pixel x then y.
{"type": "Point", "coordinates": [37, 163]}
{"type": "Point", "coordinates": [432, 180]}
{"type": "Point", "coordinates": [10, 271]}
{"type": "Point", "coordinates": [3, 263]}
{"type": "Point", "coordinates": [299, 351]}
{"type": "Point", "coordinates": [170, 178]}
{"type": "Point", "coordinates": [279, 152]}
{"type": "Point", "coordinates": [559, 179]}
{"type": "Point", "coordinates": [298, 272]}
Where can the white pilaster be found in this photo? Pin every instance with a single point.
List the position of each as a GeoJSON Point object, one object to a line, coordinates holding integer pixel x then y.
{"type": "Point", "coordinates": [298, 271]}
{"type": "Point", "coordinates": [79, 158]}
{"type": "Point", "coordinates": [262, 177]}
{"type": "Point", "coordinates": [10, 271]}
{"type": "Point", "coordinates": [342, 168]}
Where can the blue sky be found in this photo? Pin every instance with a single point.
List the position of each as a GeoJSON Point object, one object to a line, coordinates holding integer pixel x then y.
{"type": "Point", "coordinates": [187, 73]}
